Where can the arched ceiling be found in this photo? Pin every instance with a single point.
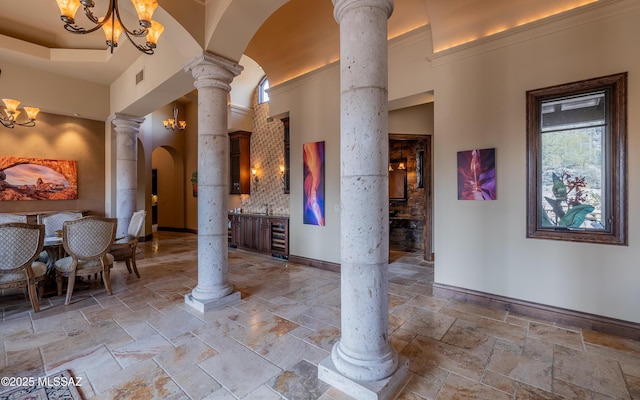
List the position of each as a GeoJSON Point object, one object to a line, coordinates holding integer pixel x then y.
{"type": "Point", "coordinates": [299, 36]}
{"type": "Point", "coordinates": [303, 35]}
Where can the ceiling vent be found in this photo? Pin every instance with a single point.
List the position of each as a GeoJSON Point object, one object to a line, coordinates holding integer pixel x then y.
{"type": "Point", "coordinates": [140, 76]}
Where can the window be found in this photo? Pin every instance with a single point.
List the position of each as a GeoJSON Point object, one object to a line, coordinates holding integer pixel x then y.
{"type": "Point", "coordinates": [263, 87]}
{"type": "Point", "coordinates": [576, 166]}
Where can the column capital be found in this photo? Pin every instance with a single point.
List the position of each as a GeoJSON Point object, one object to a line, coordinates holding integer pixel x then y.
{"type": "Point", "coordinates": [342, 7]}
{"type": "Point", "coordinates": [211, 70]}
{"type": "Point", "coordinates": [125, 122]}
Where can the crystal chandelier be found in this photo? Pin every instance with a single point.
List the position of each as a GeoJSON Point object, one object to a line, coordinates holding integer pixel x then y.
{"type": "Point", "coordinates": [12, 114]}
{"type": "Point", "coordinates": [112, 24]}
{"type": "Point", "coordinates": [174, 123]}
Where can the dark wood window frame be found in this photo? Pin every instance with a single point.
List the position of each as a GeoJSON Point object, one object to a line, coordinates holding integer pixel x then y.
{"type": "Point", "coordinates": [615, 87]}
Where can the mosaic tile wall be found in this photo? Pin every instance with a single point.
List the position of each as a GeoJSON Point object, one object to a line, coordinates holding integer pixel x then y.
{"type": "Point", "coordinates": [267, 154]}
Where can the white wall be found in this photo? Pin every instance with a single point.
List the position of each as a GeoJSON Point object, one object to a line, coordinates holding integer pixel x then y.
{"type": "Point", "coordinates": [479, 92]}
{"type": "Point", "coordinates": [480, 103]}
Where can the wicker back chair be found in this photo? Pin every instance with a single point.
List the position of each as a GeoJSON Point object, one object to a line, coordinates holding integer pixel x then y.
{"type": "Point", "coordinates": [20, 245]}
{"type": "Point", "coordinates": [87, 241]}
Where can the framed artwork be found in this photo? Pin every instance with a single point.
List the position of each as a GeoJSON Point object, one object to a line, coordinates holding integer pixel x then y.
{"type": "Point", "coordinates": [313, 183]}
{"type": "Point", "coordinates": [24, 178]}
{"type": "Point", "coordinates": [477, 174]}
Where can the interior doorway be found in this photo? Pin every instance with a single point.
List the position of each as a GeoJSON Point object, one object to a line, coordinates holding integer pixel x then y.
{"type": "Point", "coordinates": [410, 194]}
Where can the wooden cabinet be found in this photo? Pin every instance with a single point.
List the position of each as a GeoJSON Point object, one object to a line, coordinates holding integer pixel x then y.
{"type": "Point", "coordinates": [234, 230]}
{"type": "Point", "coordinates": [240, 162]}
{"type": "Point", "coordinates": [264, 234]}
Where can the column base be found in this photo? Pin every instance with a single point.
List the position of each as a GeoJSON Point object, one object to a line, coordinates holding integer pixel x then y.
{"type": "Point", "coordinates": [384, 389]}
{"type": "Point", "coordinates": [212, 304]}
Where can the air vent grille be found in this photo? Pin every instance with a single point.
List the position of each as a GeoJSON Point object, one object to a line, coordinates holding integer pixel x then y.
{"type": "Point", "coordinates": [140, 76]}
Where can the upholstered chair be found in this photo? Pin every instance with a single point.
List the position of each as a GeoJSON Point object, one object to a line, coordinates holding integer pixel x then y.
{"type": "Point", "coordinates": [53, 222]}
{"type": "Point", "coordinates": [87, 242]}
{"type": "Point", "coordinates": [52, 225]}
{"type": "Point", "coordinates": [124, 249]}
{"type": "Point", "coordinates": [20, 245]}
{"type": "Point", "coordinates": [8, 217]}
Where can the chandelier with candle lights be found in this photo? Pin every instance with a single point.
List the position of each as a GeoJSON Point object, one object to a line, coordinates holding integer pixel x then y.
{"type": "Point", "coordinates": [112, 24]}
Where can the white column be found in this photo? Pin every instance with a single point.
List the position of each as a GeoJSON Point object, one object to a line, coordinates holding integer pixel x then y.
{"type": "Point", "coordinates": [213, 76]}
{"type": "Point", "coordinates": [126, 127]}
{"type": "Point", "coordinates": [363, 363]}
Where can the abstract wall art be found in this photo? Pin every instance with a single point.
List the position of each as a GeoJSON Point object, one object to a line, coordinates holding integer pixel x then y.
{"type": "Point", "coordinates": [24, 178]}
{"type": "Point", "coordinates": [313, 183]}
{"type": "Point", "coordinates": [477, 174]}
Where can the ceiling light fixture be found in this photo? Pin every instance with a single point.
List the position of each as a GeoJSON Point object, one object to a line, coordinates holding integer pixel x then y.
{"type": "Point", "coordinates": [174, 123]}
{"type": "Point", "coordinates": [12, 114]}
{"type": "Point", "coordinates": [112, 24]}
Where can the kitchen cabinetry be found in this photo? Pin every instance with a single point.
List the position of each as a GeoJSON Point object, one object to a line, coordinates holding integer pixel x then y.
{"type": "Point", "coordinates": [260, 233]}
{"type": "Point", "coordinates": [240, 162]}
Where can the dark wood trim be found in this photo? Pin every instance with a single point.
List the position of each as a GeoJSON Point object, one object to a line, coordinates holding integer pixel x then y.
{"type": "Point", "coordinates": [172, 229]}
{"type": "Point", "coordinates": [616, 87]}
{"type": "Point", "coordinates": [310, 262]}
{"type": "Point", "coordinates": [557, 315]}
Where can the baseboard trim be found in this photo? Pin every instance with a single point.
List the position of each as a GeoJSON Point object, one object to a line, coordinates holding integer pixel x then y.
{"type": "Point", "coordinates": [172, 229]}
{"type": "Point", "coordinates": [310, 262]}
{"type": "Point", "coordinates": [557, 315]}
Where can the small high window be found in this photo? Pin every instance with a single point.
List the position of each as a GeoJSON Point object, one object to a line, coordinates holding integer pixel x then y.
{"type": "Point", "coordinates": [263, 87]}
{"type": "Point", "coordinates": [576, 145]}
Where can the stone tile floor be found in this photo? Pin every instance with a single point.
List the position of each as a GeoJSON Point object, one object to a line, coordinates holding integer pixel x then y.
{"type": "Point", "coordinates": [145, 343]}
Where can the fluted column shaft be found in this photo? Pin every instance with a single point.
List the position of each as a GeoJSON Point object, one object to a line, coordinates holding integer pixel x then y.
{"type": "Point", "coordinates": [213, 76]}
{"type": "Point", "coordinates": [126, 128]}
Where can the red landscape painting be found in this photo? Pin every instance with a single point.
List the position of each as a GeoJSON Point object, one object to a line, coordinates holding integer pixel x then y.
{"type": "Point", "coordinates": [24, 178]}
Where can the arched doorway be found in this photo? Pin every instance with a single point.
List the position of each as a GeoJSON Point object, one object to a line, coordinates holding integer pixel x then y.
{"type": "Point", "coordinates": [168, 167]}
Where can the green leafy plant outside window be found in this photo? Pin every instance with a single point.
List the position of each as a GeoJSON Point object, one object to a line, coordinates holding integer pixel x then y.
{"type": "Point", "coordinates": [567, 205]}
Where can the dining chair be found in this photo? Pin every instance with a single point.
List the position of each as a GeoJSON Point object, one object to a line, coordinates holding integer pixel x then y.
{"type": "Point", "coordinates": [9, 217]}
{"type": "Point", "coordinates": [124, 249]}
{"type": "Point", "coordinates": [52, 225]}
{"type": "Point", "coordinates": [87, 242]}
{"type": "Point", "coordinates": [53, 222]}
{"type": "Point", "coordinates": [20, 245]}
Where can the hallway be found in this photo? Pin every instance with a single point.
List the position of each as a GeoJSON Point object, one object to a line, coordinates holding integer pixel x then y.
{"type": "Point", "coordinates": [144, 342]}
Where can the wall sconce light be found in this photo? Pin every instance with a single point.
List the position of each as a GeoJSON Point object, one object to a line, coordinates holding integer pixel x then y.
{"type": "Point", "coordinates": [401, 164]}
{"type": "Point", "coordinates": [254, 175]}
{"type": "Point", "coordinates": [282, 174]}
{"type": "Point", "coordinates": [174, 123]}
{"type": "Point", "coordinates": [12, 114]}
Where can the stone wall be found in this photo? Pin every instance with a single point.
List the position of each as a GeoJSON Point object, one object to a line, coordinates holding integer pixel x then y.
{"type": "Point", "coordinates": [406, 218]}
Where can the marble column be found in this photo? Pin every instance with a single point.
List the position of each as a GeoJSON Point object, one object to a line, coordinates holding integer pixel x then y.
{"type": "Point", "coordinates": [363, 363]}
{"type": "Point", "coordinates": [126, 127]}
{"type": "Point", "coordinates": [213, 76]}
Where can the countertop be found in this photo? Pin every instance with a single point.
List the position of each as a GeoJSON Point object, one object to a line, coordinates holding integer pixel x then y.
{"type": "Point", "coordinates": [250, 214]}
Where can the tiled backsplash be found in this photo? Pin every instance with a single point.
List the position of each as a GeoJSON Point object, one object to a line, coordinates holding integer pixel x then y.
{"type": "Point", "coordinates": [267, 155]}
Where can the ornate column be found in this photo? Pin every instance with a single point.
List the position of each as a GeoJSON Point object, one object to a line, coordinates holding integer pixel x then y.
{"type": "Point", "coordinates": [363, 363]}
{"type": "Point", "coordinates": [127, 128]}
{"type": "Point", "coordinates": [213, 76]}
